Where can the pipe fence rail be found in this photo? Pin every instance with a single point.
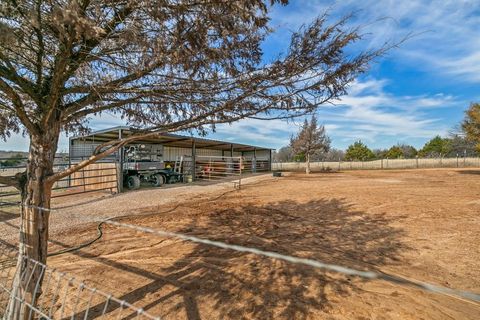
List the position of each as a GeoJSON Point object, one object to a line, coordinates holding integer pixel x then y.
{"type": "Point", "coordinates": [416, 163]}
{"type": "Point", "coordinates": [101, 176]}
{"type": "Point", "coordinates": [216, 168]}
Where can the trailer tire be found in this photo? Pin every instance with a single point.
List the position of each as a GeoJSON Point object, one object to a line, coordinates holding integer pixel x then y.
{"type": "Point", "coordinates": [158, 180]}
{"type": "Point", "coordinates": [133, 182]}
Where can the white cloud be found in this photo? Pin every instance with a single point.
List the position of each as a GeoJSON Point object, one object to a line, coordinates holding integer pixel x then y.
{"type": "Point", "coordinates": [375, 115]}
{"type": "Point", "coordinates": [444, 33]}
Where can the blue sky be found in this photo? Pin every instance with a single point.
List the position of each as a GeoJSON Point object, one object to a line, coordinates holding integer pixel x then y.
{"type": "Point", "coordinates": [415, 92]}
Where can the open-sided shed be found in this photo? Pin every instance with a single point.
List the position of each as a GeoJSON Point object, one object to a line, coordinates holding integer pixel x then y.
{"type": "Point", "coordinates": [173, 147]}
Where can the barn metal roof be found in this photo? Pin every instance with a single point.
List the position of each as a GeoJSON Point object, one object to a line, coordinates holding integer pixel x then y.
{"type": "Point", "coordinates": [166, 139]}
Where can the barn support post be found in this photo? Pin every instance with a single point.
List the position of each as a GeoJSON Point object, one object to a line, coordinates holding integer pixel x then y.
{"type": "Point", "coordinates": [120, 165]}
{"type": "Point", "coordinates": [254, 161]}
{"type": "Point", "coordinates": [70, 144]}
{"type": "Point", "coordinates": [194, 160]}
{"type": "Point", "coordinates": [270, 162]}
{"type": "Point", "coordinates": [231, 150]}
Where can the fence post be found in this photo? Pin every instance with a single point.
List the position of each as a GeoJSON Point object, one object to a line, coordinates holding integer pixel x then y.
{"type": "Point", "coordinates": [338, 164]}
{"type": "Point", "coordinates": [240, 179]}
{"type": "Point", "coordinates": [118, 166]}
{"type": "Point", "coordinates": [381, 164]}
{"type": "Point", "coordinates": [416, 160]}
{"type": "Point", "coordinates": [457, 160]}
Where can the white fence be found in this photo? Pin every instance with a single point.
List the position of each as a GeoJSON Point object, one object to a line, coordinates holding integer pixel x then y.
{"type": "Point", "coordinates": [380, 164]}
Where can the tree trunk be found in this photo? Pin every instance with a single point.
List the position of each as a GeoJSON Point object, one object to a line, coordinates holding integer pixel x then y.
{"type": "Point", "coordinates": [307, 169]}
{"type": "Point", "coordinates": [33, 245]}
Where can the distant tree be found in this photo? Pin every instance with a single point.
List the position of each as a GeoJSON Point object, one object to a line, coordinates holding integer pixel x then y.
{"type": "Point", "coordinates": [380, 153]}
{"type": "Point", "coordinates": [408, 151]}
{"type": "Point", "coordinates": [461, 146]}
{"type": "Point", "coordinates": [14, 160]}
{"type": "Point", "coordinates": [299, 157]}
{"type": "Point", "coordinates": [334, 155]}
{"type": "Point", "coordinates": [311, 139]}
{"type": "Point", "coordinates": [436, 147]}
{"type": "Point", "coordinates": [394, 152]}
{"type": "Point", "coordinates": [284, 154]}
{"type": "Point", "coordinates": [358, 152]}
{"type": "Point", "coordinates": [471, 124]}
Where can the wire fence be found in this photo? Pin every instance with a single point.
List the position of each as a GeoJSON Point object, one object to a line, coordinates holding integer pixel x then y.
{"type": "Point", "coordinates": [416, 163]}
{"type": "Point", "coordinates": [62, 296]}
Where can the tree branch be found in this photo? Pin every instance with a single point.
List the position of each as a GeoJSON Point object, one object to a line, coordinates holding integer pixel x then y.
{"type": "Point", "coordinates": [11, 181]}
{"type": "Point", "coordinates": [18, 105]}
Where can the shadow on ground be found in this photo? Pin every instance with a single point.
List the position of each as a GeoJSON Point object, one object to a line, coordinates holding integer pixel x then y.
{"type": "Point", "coordinates": [469, 171]}
{"type": "Point", "coordinates": [219, 283]}
{"type": "Point", "coordinates": [6, 215]}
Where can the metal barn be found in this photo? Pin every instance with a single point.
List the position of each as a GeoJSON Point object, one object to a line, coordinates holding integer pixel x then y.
{"type": "Point", "coordinates": [187, 157]}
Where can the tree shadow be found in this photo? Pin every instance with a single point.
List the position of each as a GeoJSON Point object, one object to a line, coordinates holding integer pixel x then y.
{"type": "Point", "coordinates": [241, 285]}
{"type": "Point", "coordinates": [476, 172]}
{"type": "Point", "coordinates": [8, 215]}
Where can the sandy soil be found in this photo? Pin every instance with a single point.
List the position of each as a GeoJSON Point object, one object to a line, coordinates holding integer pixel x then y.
{"type": "Point", "coordinates": [420, 224]}
{"type": "Point", "coordinates": [78, 209]}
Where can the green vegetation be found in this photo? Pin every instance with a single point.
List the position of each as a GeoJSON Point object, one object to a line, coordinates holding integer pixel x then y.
{"type": "Point", "coordinates": [14, 160]}
{"type": "Point", "coordinates": [394, 152]}
{"type": "Point", "coordinates": [359, 152]}
{"type": "Point", "coordinates": [436, 147]}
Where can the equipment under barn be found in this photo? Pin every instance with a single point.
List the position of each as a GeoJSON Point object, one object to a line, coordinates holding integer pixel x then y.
{"type": "Point", "coordinates": [169, 158]}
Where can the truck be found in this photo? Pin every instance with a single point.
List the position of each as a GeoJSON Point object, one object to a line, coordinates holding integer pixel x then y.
{"type": "Point", "coordinates": [144, 163]}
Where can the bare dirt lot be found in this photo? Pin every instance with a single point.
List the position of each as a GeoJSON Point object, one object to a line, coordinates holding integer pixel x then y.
{"type": "Point", "coordinates": [419, 224]}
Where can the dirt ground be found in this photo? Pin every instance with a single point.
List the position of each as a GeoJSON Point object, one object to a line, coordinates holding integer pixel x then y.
{"type": "Point", "coordinates": [419, 224]}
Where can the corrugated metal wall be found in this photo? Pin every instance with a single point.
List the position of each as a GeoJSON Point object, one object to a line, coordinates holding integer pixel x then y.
{"type": "Point", "coordinates": [82, 149]}
{"type": "Point", "coordinates": [261, 154]}
{"type": "Point", "coordinates": [171, 153]}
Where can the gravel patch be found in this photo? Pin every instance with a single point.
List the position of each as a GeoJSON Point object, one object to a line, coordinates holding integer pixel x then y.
{"type": "Point", "coordinates": [88, 208]}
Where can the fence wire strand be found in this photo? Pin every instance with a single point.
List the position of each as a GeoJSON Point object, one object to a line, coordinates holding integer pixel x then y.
{"type": "Point", "coordinates": [308, 262]}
